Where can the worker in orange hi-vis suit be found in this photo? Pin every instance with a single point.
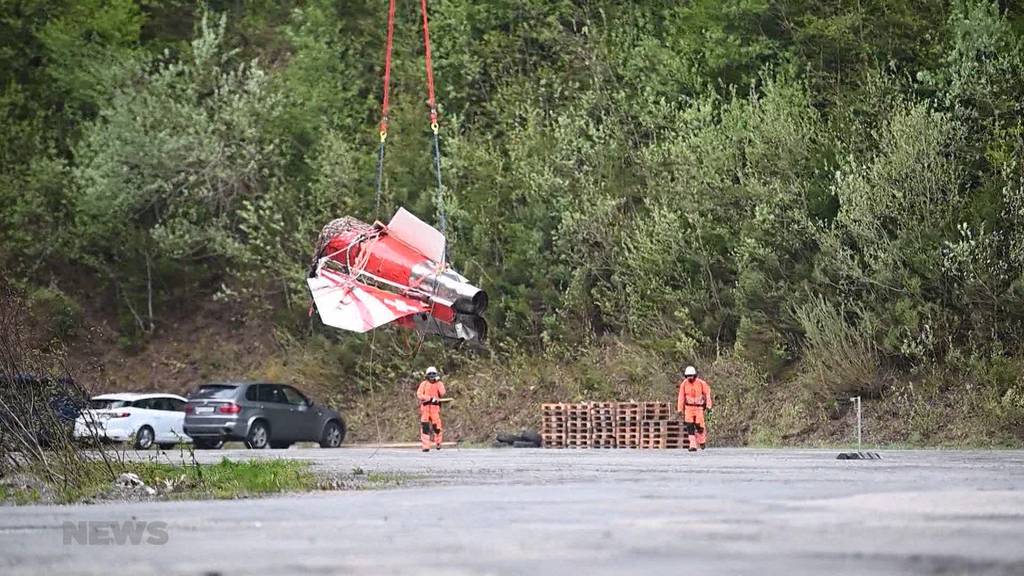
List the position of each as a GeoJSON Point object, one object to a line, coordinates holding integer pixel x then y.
{"type": "Point", "coordinates": [429, 394]}
{"type": "Point", "coordinates": [694, 399]}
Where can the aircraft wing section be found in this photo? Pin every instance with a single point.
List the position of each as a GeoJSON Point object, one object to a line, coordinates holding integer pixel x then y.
{"type": "Point", "coordinates": [417, 234]}
{"type": "Point", "coordinates": [345, 303]}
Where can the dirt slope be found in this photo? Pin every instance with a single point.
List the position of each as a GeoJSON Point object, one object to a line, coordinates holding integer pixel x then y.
{"type": "Point", "coordinates": [208, 343]}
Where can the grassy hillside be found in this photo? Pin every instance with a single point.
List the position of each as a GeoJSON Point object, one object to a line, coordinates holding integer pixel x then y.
{"type": "Point", "coordinates": [375, 385]}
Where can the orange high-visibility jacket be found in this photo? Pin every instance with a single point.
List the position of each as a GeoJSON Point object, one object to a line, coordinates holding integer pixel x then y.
{"type": "Point", "coordinates": [693, 395]}
{"type": "Point", "coordinates": [430, 390]}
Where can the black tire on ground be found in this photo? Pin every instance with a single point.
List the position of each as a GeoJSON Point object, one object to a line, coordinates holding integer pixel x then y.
{"type": "Point", "coordinates": [858, 456]}
{"type": "Point", "coordinates": [333, 434]}
{"type": "Point", "coordinates": [506, 437]}
{"type": "Point", "coordinates": [167, 446]}
{"type": "Point", "coordinates": [522, 444]}
{"type": "Point", "coordinates": [531, 436]}
{"type": "Point", "coordinates": [208, 444]}
{"type": "Point", "coordinates": [258, 437]}
{"type": "Point", "coordinates": [144, 438]}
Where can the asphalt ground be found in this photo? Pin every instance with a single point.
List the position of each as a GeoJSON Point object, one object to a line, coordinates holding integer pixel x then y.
{"type": "Point", "coordinates": [519, 511]}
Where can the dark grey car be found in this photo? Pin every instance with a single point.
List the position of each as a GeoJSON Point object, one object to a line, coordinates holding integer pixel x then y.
{"type": "Point", "coordinates": [261, 414]}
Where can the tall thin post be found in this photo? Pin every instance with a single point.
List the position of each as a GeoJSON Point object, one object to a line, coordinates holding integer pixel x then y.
{"type": "Point", "coordinates": [856, 399]}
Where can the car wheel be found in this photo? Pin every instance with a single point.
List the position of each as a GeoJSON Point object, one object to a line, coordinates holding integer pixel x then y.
{"type": "Point", "coordinates": [144, 438]}
{"type": "Point", "coordinates": [333, 436]}
{"type": "Point", "coordinates": [208, 444]}
{"type": "Point", "coordinates": [167, 446]}
{"type": "Point", "coordinates": [259, 435]}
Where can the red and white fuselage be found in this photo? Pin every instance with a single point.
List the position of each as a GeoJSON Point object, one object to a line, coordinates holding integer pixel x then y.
{"type": "Point", "coordinates": [364, 276]}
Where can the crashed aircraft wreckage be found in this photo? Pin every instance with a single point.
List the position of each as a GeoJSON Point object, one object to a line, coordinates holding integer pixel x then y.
{"type": "Point", "coordinates": [364, 276]}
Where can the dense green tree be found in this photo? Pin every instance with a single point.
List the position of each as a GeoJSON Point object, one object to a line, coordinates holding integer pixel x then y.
{"type": "Point", "coordinates": [163, 172]}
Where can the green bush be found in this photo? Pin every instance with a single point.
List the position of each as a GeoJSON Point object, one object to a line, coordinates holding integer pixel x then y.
{"type": "Point", "coordinates": [55, 311]}
{"type": "Point", "coordinates": [840, 358]}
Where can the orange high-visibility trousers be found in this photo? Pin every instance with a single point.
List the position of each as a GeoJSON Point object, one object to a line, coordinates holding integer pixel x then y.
{"type": "Point", "coordinates": [693, 418]}
{"type": "Point", "coordinates": [430, 423]}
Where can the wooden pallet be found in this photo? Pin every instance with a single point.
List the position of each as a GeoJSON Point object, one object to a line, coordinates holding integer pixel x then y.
{"type": "Point", "coordinates": [656, 411]}
{"type": "Point", "coordinates": [653, 434]}
{"type": "Point", "coordinates": [553, 412]}
{"type": "Point", "coordinates": [550, 440]}
{"type": "Point", "coordinates": [627, 425]}
{"type": "Point", "coordinates": [579, 422]}
{"type": "Point", "coordinates": [627, 437]}
{"type": "Point", "coordinates": [628, 412]}
{"type": "Point", "coordinates": [647, 425]}
{"type": "Point", "coordinates": [578, 412]}
{"type": "Point", "coordinates": [554, 421]}
{"type": "Point", "coordinates": [602, 418]}
{"type": "Point", "coordinates": [603, 440]}
{"type": "Point", "coordinates": [578, 440]}
{"type": "Point", "coordinates": [602, 409]}
{"type": "Point", "coordinates": [674, 437]}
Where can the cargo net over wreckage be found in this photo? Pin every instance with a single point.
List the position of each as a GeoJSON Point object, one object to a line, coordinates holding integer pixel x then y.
{"type": "Point", "coordinates": [364, 276]}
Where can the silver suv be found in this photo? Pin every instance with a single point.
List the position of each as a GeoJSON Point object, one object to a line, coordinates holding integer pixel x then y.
{"type": "Point", "coordinates": [260, 414]}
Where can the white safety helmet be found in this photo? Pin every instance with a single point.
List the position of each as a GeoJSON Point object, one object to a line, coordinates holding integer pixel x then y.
{"type": "Point", "coordinates": [432, 372]}
{"type": "Point", "coordinates": [690, 371]}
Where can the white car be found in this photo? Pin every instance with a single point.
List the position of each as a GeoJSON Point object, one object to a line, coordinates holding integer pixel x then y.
{"type": "Point", "coordinates": [143, 419]}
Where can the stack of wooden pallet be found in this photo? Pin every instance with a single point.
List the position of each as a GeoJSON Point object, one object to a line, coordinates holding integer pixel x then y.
{"type": "Point", "coordinates": [674, 437]}
{"type": "Point", "coordinates": [627, 419]}
{"type": "Point", "coordinates": [578, 431]}
{"type": "Point", "coordinates": [553, 429]}
{"type": "Point", "coordinates": [653, 425]}
{"type": "Point", "coordinates": [602, 425]}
